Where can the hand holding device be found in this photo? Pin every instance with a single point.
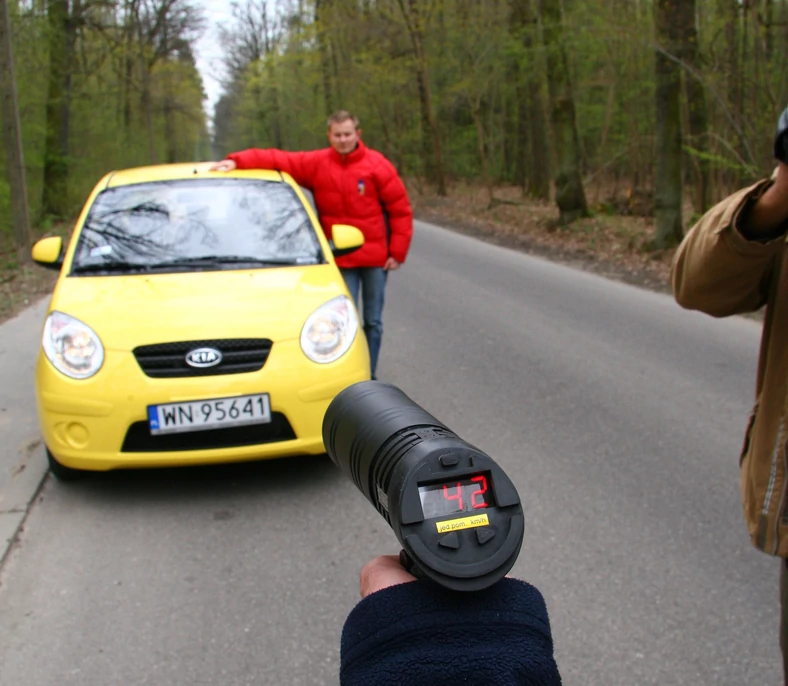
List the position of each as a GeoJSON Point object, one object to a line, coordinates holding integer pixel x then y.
{"type": "Point", "coordinates": [454, 510]}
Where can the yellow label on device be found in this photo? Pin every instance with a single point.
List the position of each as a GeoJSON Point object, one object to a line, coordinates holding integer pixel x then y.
{"type": "Point", "coordinates": [464, 523]}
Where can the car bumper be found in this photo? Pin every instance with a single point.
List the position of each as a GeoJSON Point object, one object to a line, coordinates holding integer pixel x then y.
{"type": "Point", "coordinates": [102, 424]}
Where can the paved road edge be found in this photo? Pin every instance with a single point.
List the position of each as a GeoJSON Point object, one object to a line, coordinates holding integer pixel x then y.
{"type": "Point", "coordinates": [23, 464]}
{"type": "Point", "coordinates": [23, 490]}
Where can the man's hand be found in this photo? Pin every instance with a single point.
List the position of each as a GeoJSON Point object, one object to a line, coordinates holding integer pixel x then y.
{"type": "Point", "coordinates": [769, 214]}
{"type": "Point", "coordinates": [382, 572]}
{"type": "Point", "coordinates": [223, 166]}
{"type": "Point", "coordinates": [781, 180]}
{"type": "Point", "coordinates": [771, 209]}
{"type": "Point", "coordinates": [391, 265]}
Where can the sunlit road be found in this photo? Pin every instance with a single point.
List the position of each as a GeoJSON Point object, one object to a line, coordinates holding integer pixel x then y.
{"type": "Point", "coordinates": [618, 415]}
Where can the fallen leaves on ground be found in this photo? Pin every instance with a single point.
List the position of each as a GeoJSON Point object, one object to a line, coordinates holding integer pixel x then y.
{"type": "Point", "coordinates": [607, 244]}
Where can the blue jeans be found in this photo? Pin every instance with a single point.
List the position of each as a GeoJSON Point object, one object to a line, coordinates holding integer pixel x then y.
{"type": "Point", "coordinates": [371, 283]}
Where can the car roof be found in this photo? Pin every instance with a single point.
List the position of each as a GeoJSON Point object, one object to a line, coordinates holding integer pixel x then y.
{"type": "Point", "coordinates": [183, 170]}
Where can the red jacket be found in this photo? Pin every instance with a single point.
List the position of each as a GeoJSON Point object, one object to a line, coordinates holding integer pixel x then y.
{"type": "Point", "coordinates": [348, 189]}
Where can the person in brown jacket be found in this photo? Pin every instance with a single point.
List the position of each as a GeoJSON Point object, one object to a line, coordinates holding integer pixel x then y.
{"type": "Point", "coordinates": [734, 260]}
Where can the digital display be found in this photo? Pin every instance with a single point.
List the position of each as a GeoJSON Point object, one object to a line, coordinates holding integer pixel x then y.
{"type": "Point", "coordinates": [468, 494]}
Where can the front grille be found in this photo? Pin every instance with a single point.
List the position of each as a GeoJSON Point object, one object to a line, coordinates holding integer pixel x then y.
{"type": "Point", "coordinates": [140, 440]}
{"type": "Point", "coordinates": [168, 360]}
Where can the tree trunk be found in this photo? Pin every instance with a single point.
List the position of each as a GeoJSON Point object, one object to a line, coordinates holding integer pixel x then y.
{"type": "Point", "coordinates": [276, 125]}
{"type": "Point", "coordinates": [729, 15]}
{"type": "Point", "coordinates": [147, 108]}
{"type": "Point", "coordinates": [268, 46]}
{"type": "Point", "coordinates": [539, 172]}
{"type": "Point", "coordinates": [170, 135]}
{"type": "Point", "coordinates": [427, 151]}
{"type": "Point", "coordinates": [534, 141]}
{"type": "Point", "coordinates": [569, 192]}
{"type": "Point", "coordinates": [696, 102]}
{"type": "Point", "coordinates": [768, 31]}
{"type": "Point", "coordinates": [130, 19]}
{"type": "Point", "coordinates": [335, 66]}
{"type": "Point", "coordinates": [321, 8]}
{"type": "Point", "coordinates": [481, 146]}
{"type": "Point", "coordinates": [413, 22]}
{"type": "Point", "coordinates": [12, 138]}
{"type": "Point", "coordinates": [728, 12]}
{"type": "Point", "coordinates": [146, 65]}
{"type": "Point", "coordinates": [514, 129]}
{"type": "Point", "coordinates": [62, 35]}
{"type": "Point", "coordinates": [667, 191]}
{"type": "Point", "coordinates": [522, 138]}
{"type": "Point", "coordinates": [743, 68]}
{"type": "Point", "coordinates": [128, 70]}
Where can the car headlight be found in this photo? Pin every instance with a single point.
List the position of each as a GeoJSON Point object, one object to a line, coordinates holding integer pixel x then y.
{"type": "Point", "coordinates": [329, 330]}
{"type": "Point", "coordinates": [72, 346]}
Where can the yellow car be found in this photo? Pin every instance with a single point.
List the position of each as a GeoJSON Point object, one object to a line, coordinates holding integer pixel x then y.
{"type": "Point", "coordinates": [199, 317]}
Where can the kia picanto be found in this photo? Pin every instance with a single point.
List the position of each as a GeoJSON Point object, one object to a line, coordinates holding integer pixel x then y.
{"type": "Point", "coordinates": [199, 317]}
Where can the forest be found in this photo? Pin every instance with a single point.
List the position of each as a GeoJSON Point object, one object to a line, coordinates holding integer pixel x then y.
{"type": "Point", "coordinates": [674, 101]}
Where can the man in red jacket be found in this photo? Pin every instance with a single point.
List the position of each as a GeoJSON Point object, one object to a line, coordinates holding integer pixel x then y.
{"type": "Point", "coordinates": [351, 184]}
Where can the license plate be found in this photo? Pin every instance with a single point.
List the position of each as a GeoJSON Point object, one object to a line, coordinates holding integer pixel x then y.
{"type": "Point", "coordinates": [216, 413]}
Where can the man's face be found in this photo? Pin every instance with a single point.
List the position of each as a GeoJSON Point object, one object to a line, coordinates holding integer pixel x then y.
{"type": "Point", "coordinates": [343, 136]}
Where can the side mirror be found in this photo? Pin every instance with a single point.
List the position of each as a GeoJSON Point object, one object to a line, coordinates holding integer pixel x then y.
{"type": "Point", "coordinates": [345, 239]}
{"type": "Point", "coordinates": [48, 252]}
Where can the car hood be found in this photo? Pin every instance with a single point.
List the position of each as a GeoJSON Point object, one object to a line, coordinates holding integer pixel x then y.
{"type": "Point", "coordinates": [131, 310]}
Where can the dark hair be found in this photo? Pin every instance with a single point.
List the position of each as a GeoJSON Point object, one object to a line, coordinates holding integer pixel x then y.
{"type": "Point", "coordinates": [342, 115]}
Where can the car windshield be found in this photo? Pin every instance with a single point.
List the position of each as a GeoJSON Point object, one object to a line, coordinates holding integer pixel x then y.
{"type": "Point", "coordinates": [196, 224]}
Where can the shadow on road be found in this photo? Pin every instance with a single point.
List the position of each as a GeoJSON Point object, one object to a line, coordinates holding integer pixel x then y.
{"type": "Point", "coordinates": [294, 476]}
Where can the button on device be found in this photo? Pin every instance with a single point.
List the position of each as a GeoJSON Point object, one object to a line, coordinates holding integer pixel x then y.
{"type": "Point", "coordinates": [484, 534]}
{"type": "Point", "coordinates": [451, 540]}
{"type": "Point", "coordinates": [449, 460]}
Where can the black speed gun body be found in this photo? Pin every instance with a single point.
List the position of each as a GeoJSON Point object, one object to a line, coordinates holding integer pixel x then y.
{"type": "Point", "coordinates": [455, 512]}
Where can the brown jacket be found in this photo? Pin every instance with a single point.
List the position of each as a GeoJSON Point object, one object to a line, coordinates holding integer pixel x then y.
{"type": "Point", "coordinates": [718, 271]}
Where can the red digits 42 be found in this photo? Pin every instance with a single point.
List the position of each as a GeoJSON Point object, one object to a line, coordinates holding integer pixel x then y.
{"type": "Point", "coordinates": [457, 497]}
{"type": "Point", "coordinates": [482, 481]}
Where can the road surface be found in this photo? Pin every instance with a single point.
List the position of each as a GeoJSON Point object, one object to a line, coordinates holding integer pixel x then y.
{"type": "Point", "coordinates": [618, 415]}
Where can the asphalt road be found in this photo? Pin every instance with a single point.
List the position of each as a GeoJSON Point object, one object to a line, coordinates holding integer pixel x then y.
{"type": "Point", "coordinates": [618, 415]}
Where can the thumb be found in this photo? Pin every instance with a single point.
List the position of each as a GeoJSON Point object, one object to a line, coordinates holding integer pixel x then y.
{"type": "Point", "coordinates": [382, 572]}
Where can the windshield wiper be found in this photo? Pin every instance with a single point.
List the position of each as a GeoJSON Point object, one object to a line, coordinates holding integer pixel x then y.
{"type": "Point", "coordinates": [109, 267]}
{"type": "Point", "coordinates": [213, 260]}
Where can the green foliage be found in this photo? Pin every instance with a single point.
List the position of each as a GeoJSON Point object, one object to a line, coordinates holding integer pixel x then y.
{"type": "Point", "coordinates": [720, 161]}
{"type": "Point", "coordinates": [108, 124]}
{"type": "Point", "coordinates": [134, 100]}
{"type": "Point", "coordinates": [472, 53]}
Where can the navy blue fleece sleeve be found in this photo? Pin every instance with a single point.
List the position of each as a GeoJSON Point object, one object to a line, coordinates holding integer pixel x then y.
{"type": "Point", "coordinates": [418, 633]}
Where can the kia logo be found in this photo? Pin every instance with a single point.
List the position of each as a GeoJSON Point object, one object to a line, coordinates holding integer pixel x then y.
{"type": "Point", "coordinates": [203, 357]}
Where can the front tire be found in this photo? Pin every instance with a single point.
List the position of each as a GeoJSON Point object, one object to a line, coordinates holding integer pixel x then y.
{"type": "Point", "coordinates": [60, 471]}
